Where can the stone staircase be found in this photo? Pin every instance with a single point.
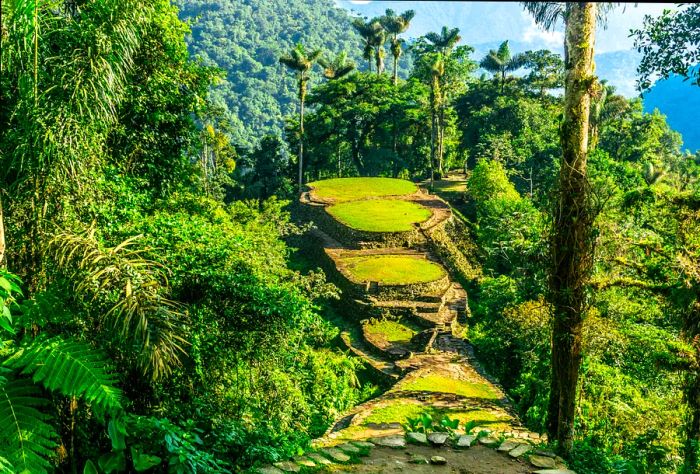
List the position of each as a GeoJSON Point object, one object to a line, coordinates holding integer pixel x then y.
{"type": "Point", "coordinates": [436, 372]}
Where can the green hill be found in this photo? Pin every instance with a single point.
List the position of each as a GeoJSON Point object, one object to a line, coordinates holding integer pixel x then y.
{"type": "Point", "coordinates": [246, 38]}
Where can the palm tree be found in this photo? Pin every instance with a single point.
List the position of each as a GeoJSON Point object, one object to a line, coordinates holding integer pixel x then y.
{"type": "Point", "coordinates": [374, 37]}
{"type": "Point", "coordinates": [339, 67]}
{"type": "Point", "coordinates": [301, 62]}
{"type": "Point", "coordinates": [437, 70]}
{"type": "Point", "coordinates": [571, 247]}
{"type": "Point", "coordinates": [395, 25]}
{"type": "Point", "coordinates": [501, 62]}
{"type": "Point", "coordinates": [444, 41]}
{"type": "Point", "coordinates": [441, 44]}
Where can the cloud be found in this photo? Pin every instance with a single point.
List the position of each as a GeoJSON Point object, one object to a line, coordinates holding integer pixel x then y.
{"type": "Point", "coordinates": [533, 33]}
{"type": "Point", "coordinates": [360, 2]}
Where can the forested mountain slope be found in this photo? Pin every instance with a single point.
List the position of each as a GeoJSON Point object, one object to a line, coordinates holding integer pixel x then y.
{"type": "Point", "coordinates": [679, 101]}
{"type": "Point", "coordinates": [246, 39]}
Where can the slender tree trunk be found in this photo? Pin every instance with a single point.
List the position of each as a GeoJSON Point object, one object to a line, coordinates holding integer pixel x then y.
{"type": "Point", "coordinates": [572, 242]}
{"type": "Point", "coordinates": [3, 262]}
{"type": "Point", "coordinates": [433, 131]}
{"type": "Point", "coordinates": [396, 66]}
{"type": "Point", "coordinates": [302, 97]}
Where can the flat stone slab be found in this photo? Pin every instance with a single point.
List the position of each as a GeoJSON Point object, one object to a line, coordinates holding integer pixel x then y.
{"type": "Point", "coordinates": [542, 461]}
{"type": "Point", "coordinates": [336, 455]}
{"type": "Point", "coordinates": [287, 466]}
{"type": "Point", "coordinates": [520, 450]}
{"type": "Point", "coordinates": [508, 446]}
{"type": "Point", "coordinates": [318, 459]}
{"type": "Point", "coordinates": [268, 470]}
{"type": "Point", "coordinates": [554, 471]}
{"type": "Point", "coordinates": [438, 460]}
{"type": "Point", "coordinates": [363, 444]}
{"type": "Point", "coordinates": [488, 441]}
{"type": "Point", "coordinates": [437, 439]}
{"type": "Point", "coordinates": [303, 461]}
{"type": "Point", "coordinates": [548, 454]}
{"type": "Point", "coordinates": [418, 459]}
{"type": "Point", "coordinates": [392, 442]}
{"type": "Point", "coordinates": [348, 448]}
{"type": "Point", "coordinates": [465, 441]}
{"type": "Point", "coordinates": [417, 438]}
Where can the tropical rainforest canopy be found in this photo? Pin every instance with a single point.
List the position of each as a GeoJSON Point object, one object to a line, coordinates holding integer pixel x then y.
{"type": "Point", "coordinates": [162, 309]}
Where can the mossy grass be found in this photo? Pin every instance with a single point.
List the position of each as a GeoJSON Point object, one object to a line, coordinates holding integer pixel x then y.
{"type": "Point", "coordinates": [391, 330]}
{"type": "Point", "coordinates": [380, 215]}
{"type": "Point", "coordinates": [442, 384]}
{"type": "Point", "coordinates": [393, 269]}
{"type": "Point", "coordinates": [402, 408]}
{"type": "Point", "coordinates": [348, 189]}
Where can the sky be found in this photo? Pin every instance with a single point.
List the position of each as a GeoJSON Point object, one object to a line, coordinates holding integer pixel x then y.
{"type": "Point", "coordinates": [484, 22]}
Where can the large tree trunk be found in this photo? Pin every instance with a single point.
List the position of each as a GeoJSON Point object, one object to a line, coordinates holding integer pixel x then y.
{"type": "Point", "coordinates": [572, 243]}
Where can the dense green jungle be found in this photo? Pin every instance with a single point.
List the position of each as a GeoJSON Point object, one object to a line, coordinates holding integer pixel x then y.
{"type": "Point", "coordinates": [235, 234]}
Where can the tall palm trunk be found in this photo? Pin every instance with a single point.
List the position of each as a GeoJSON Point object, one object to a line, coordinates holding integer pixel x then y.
{"type": "Point", "coordinates": [396, 69]}
{"type": "Point", "coordinates": [572, 243]}
{"type": "Point", "coordinates": [433, 127]}
{"type": "Point", "coordinates": [302, 99]}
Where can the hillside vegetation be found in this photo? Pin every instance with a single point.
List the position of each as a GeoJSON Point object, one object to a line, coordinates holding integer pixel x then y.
{"type": "Point", "coordinates": [261, 267]}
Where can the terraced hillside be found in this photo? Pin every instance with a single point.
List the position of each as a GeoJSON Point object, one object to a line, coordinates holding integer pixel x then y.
{"type": "Point", "coordinates": [404, 314]}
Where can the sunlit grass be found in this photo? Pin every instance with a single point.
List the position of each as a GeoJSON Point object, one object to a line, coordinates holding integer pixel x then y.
{"type": "Point", "coordinates": [439, 383]}
{"type": "Point", "coordinates": [347, 189]}
{"type": "Point", "coordinates": [391, 331]}
{"type": "Point", "coordinates": [380, 215]}
{"type": "Point", "coordinates": [393, 269]}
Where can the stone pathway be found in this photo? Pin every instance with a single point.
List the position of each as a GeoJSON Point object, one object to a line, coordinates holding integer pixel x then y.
{"type": "Point", "coordinates": [439, 377]}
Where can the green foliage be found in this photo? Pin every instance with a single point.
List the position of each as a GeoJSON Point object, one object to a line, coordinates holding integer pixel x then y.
{"type": "Point", "coordinates": [71, 368]}
{"type": "Point", "coordinates": [28, 438]}
{"type": "Point", "coordinates": [669, 45]}
{"type": "Point", "coordinates": [246, 39]}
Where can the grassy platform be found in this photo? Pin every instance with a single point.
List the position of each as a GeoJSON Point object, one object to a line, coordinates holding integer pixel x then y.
{"type": "Point", "coordinates": [380, 215]}
{"type": "Point", "coordinates": [442, 384]}
{"type": "Point", "coordinates": [391, 331]}
{"type": "Point", "coordinates": [393, 269]}
{"type": "Point", "coordinates": [348, 189]}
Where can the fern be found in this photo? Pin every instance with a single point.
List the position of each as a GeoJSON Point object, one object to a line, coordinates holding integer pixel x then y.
{"type": "Point", "coordinates": [71, 368]}
{"type": "Point", "coordinates": [26, 440]}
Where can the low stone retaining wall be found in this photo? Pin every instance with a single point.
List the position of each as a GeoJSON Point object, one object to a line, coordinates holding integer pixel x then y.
{"type": "Point", "coordinates": [357, 239]}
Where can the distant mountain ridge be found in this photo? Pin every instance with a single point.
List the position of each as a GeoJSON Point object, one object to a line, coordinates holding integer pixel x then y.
{"type": "Point", "coordinates": [679, 100]}
{"type": "Point", "coordinates": [246, 38]}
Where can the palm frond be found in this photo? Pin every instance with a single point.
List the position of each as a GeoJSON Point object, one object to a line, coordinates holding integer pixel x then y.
{"type": "Point", "coordinates": [491, 62]}
{"type": "Point", "coordinates": [546, 14]}
{"type": "Point", "coordinates": [71, 368]}
{"type": "Point", "coordinates": [134, 287]}
{"type": "Point", "coordinates": [26, 438]}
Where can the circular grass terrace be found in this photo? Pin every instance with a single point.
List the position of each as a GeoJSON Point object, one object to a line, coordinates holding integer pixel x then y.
{"type": "Point", "coordinates": [349, 189]}
{"type": "Point", "coordinates": [392, 269]}
{"type": "Point", "coordinates": [390, 331]}
{"type": "Point", "coordinates": [380, 215]}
